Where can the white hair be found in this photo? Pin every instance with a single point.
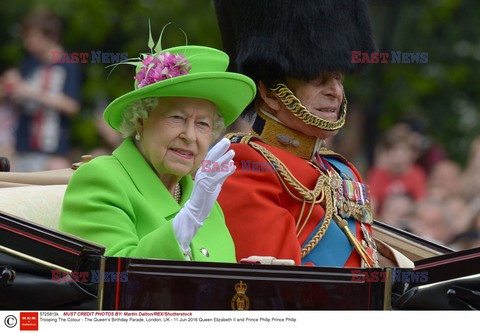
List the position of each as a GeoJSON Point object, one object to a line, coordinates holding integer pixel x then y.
{"type": "Point", "coordinates": [142, 108]}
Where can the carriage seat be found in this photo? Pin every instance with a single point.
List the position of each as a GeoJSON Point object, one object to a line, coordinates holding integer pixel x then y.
{"type": "Point", "coordinates": [36, 203]}
{"type": "Point", "coordinates": [36, 196]}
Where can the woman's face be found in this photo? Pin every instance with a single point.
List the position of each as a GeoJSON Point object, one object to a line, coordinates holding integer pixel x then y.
{"type": "Point", "coordinates": [322, 97]}
{"type": "Point", "coordinates": [176, 136]}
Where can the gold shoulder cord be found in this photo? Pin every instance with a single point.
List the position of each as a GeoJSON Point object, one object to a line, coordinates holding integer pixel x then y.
{"type": "Point", "coordinates": [320, 192]}
{"type": "Point", "coordinates": [240, 137]}
{"type": "Point", "coordinates": [295, 106]}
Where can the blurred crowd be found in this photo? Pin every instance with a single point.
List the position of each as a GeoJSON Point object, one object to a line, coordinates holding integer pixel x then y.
{"type": "Point", "coordinates": [414, 185]}
{"type": "Point", "coordinates": [38, 100]}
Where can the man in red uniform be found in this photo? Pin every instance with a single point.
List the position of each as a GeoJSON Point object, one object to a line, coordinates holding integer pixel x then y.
{"type": "Point", "coordinates": [291, 197]}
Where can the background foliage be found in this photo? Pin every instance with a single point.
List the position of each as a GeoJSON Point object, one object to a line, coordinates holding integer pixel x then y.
{"type": "Point", "coordinates": [442, 95]}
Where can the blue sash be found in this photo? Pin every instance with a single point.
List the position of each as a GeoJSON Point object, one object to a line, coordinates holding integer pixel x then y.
{"type": "Point", "coordinates": [333, 249]}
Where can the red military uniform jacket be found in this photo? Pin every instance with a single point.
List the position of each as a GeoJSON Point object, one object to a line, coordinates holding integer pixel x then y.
{"type": "Point", "coordinates": [262, 216]}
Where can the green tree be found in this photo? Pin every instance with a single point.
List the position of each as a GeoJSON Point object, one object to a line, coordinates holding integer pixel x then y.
{"type": "Point", "coordinates": [443, 93]}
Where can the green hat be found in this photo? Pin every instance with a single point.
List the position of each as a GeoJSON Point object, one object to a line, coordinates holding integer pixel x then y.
{"type": "Point", "coordinates": [202, 74]}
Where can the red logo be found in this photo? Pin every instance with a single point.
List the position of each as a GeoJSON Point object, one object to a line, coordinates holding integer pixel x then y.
{"type": "Point", "coordinates": [28, 321]}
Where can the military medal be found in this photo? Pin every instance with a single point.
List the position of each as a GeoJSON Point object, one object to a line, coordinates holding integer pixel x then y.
{"type": "Point", "coordinates": [370, 242]}
{"type": "Point", "coordinates": [351, 198]}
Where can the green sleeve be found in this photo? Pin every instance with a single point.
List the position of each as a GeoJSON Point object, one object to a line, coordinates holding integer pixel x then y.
{"type": "Point", "coordinates": [98, 207]}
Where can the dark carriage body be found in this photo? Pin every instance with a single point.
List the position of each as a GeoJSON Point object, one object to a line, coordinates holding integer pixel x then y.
{"type": "Point", "coordinates": [38, 254]}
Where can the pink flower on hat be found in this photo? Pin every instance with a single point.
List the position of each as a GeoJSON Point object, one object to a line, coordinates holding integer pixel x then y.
{"type": "Point", "coordinates": [161, 67]}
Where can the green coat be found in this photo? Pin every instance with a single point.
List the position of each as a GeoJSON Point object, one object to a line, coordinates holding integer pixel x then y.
{"type": "Point", "coordinates": [119, 202]}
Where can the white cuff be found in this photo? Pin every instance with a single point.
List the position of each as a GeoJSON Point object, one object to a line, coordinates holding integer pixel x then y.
{"type": "Point", "coordinates": [185, 227]}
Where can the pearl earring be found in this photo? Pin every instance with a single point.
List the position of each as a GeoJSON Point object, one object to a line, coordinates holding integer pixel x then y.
{"type": "Point", "coordinates": [138, 137]}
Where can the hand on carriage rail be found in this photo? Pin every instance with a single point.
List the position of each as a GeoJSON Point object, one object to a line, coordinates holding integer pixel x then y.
{"type": "Point", "coordinates": [206, 188]}
{"type": "Point", "coordinates": [266, 260]}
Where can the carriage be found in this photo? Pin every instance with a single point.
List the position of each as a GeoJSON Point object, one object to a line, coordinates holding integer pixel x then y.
{"type": "Point", "coordinates": [43, 268]}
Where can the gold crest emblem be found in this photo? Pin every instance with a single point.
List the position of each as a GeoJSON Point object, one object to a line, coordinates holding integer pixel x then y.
{"type": "Point", "coordinates": [240, 301]}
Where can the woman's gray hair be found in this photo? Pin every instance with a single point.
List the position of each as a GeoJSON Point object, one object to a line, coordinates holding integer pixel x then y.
{"type": "Point", "coordinates": [134, 112]}
{"type": "Point", "coordinates": [142, 108]}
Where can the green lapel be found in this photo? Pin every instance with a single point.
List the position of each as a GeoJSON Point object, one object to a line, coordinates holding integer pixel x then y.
{"type": "Point", "coordinates": [147, 181]}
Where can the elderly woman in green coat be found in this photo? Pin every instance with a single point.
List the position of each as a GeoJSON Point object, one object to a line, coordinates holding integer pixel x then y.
{"type": "Point", "coordinates": [142, 201]}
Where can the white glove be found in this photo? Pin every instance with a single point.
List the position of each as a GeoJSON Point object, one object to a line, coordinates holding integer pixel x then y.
{"type": "Point", "coordinates": [207, 185]}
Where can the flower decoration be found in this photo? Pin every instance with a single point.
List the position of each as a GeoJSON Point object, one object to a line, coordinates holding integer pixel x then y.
{"type": "Point", "coordinates": [155, 68]}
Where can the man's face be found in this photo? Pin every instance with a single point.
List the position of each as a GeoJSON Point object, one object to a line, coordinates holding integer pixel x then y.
{"type": "Point", "coordinates": [322, 97]}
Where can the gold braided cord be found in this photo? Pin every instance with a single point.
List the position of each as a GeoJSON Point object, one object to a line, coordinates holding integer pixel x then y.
{"type": "Point", "coordinates": [309, 195]}
{"type": "Point", "coordinates": [325, 223]}
{"type": "Point", "coordinates": [293, 104]}
{"type": "Point", "coordinates": [306, 220]}
{"type": "Point", "coordinates": [321, 192]}
{"type": "Point", "coordinates": [301, 214]}
{"type": "Point", "coordinates": [304, 202]}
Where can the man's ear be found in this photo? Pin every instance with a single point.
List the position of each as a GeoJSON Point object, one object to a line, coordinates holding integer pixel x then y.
{"type": "Point", "coordinates": [268, 98]}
